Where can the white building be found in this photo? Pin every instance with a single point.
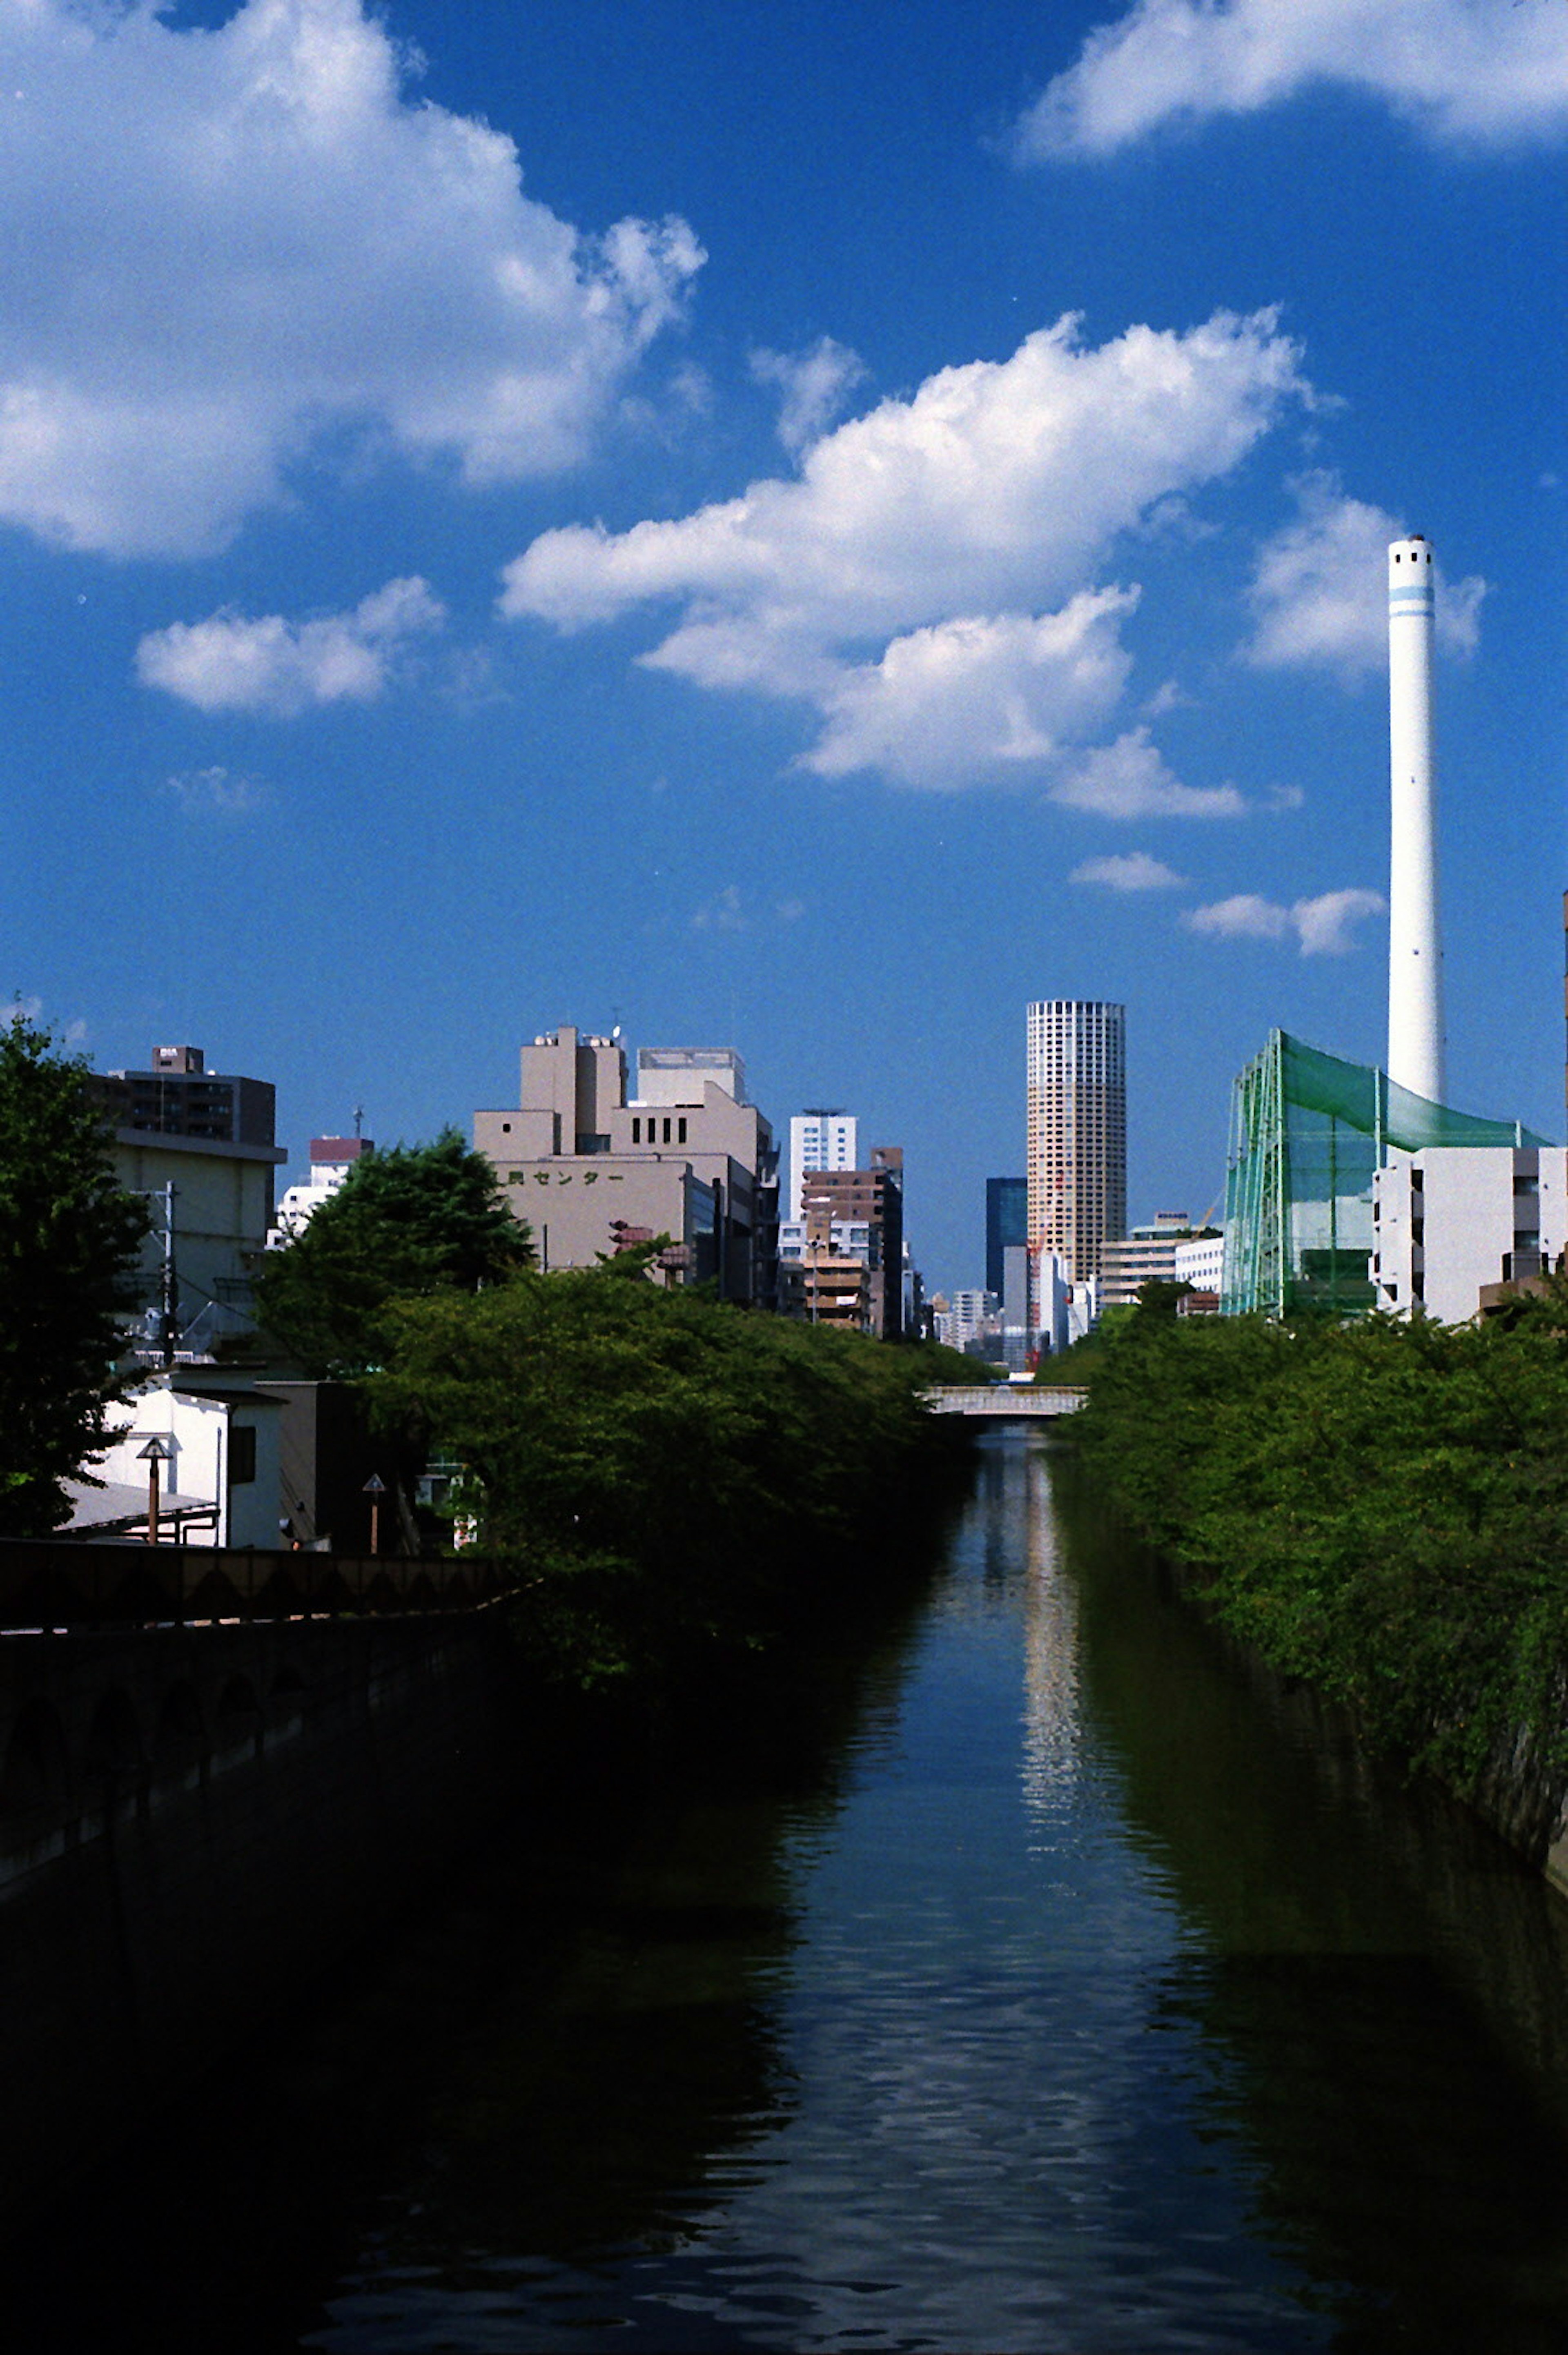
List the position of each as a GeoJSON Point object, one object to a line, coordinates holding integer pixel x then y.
{"type": "Point", "coordinates": [219, 1475]}
{"type": "Point", "coordinates": [330, 1159]}
{"type": "Point", "coordinates": [1200, 1262]}
{"type": "Point", "coordinates": [1077, 1152]}
{"type": "Point", "coordinates": [1452, 1218]}
{"type": "Point", "coordinates": [818, 1140]}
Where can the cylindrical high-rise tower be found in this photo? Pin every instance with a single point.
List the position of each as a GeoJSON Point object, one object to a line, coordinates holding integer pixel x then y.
{"type": "Point", "coordinates": [1415, 961]}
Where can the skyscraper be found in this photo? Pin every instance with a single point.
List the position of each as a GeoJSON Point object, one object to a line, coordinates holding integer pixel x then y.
{"type": "Point", "coordinates": [1077, 1128]}
{"type": "Point", "coordinates": [1007, 1223]}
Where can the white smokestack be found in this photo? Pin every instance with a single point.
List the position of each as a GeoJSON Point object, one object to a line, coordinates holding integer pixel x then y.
{"type": "Point", "coordinates": [1415, 961]}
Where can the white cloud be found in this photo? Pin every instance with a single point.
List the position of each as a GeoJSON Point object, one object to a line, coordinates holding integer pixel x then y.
{"type": "Point", "coordinates": [1485, 71]}
{"type": "Point", "coordinates": [977, 697]}
{"type": "Point", "coordinates": [816, 384]}
{"type": "Point", "coordinates": [928, 583]}
{"type": "Point", "coordinates": [281, 668]}
{"type": "Point", "coordinates": [1320, 590]}
{"type": "Point", "coordinates": [18, 1008]}
{"type": "Point", "coordinates": [724, 914]}
{"type": "Point", "coordinates": [1324, 923]}
{"type": "Point", "coordinates": [217, 793]}
{"type": "Point", "coordinates": [1129, 779]}
{"type": "Point", "coordinates": [1321, 926]}
{"type": "Point", "coordinates": [272, 245]}
{"type": "Point", "coordinates": [1131, 870]}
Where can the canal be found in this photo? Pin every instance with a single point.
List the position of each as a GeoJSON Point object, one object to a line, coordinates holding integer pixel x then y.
{"type": "Point", "coordinates": [1047, 1983]}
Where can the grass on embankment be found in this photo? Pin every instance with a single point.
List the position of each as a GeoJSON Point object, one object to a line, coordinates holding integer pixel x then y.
{"type": "Point", "coordinates": [1379, 1507]}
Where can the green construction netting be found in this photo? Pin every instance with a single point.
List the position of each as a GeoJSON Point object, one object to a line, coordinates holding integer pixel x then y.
{"type": "Point", "coordinates": [1308, 1131]}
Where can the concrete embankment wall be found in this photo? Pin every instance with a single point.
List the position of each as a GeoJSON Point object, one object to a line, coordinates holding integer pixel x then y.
{"type": "Point", "coordinates": [198, 1823]}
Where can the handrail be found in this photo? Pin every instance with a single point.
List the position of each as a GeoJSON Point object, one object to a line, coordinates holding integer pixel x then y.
{"type": "Point", "coordinates": [56, 1582]}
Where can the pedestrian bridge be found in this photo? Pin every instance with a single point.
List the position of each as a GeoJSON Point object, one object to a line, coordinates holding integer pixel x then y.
{"type": "Point", "coordinates": [1003, 1401]}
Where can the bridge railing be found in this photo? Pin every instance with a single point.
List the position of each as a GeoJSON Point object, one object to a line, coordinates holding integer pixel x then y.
{"type": "Point", "coordinates": [1004, 1399]}
{"type": "Point", "coordinates": [48, 1583]}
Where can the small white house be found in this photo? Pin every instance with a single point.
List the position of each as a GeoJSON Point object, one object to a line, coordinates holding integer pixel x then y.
{"type": "Point", "coordinates": [220, 1481]}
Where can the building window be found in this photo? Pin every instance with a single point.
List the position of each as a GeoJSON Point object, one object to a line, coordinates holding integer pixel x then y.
{"type": "Point", "coordinates": [242, 1454]}
{"type": "Point", "coordinates": [681, 1132]}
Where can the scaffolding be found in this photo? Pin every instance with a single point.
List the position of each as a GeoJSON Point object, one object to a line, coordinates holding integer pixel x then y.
{"type": "Point", "coordinates": [1308, 1133]}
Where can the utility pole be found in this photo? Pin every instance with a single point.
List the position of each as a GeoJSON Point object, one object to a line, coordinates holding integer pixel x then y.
{"type": "Point", "coordinates": [168, 1320]}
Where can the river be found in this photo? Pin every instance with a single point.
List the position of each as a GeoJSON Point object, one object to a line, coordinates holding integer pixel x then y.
{"type": "Point", "coordinates": [1048, 1983]}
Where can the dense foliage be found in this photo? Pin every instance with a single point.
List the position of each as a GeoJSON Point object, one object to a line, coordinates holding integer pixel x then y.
{"type": "Point", "coordinates": [422, 1219]}
{"type": "Point", "coordinates": [70, 1243]}
{"type": "Point", "coordinates": [676, 1474]}
{"type": "Point", "coordinates": [1382, 1508]}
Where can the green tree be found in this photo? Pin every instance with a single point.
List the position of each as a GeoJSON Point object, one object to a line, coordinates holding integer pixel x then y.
{"type": "Point", "coordinates": [676, 1473]}
{"type": "Point", "coordinates": [417, 1220]}
{"type": "Point", "coordinates": [69, 1240]}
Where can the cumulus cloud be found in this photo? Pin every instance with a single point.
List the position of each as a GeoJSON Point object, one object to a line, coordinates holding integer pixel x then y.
{"type": "Point", "coordinates": [928, 582]}
{"type": "Point", "coordinates": [1477, 71]}
{"type": "Point", "coordinates": [1320, 588]}
{"type": "Point", "coordinates": [977, 697]}
{"type": "Point", "coordinates": [1129, 870]}
{"type": "Point", "coordinates": [272, 245]}
{"type": "Point", "coordinates": [1322, 927]}
{"type": "Point", "coordinates": [816, 384]}
{"type": "Point", "coordinates": [1129, 779]}
{"type": "Point", "coordinates": [229, 662]}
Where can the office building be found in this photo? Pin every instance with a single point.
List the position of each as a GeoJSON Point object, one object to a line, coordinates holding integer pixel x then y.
{"type": "Point", "coordinates": [330, 1159]}
{"type": "Point", "coordinates": [1006, 1225]}
{"type": "Point", "coordinates": [818, 1140]}
{"type": "Point", "coordinates": [197, 1147]}
{"type": "Point", "coordinates": [1452, 1221]}
{"type": "Point", "coordinates": [1077, 1175]}
{"type": "Point", "coordinates": [593, 1171]}
{"type": "Point", "coordinates": [859, 1214]}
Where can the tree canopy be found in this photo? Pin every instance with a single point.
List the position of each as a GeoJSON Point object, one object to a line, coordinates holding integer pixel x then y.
{"type": "Point", "coordinates": [1380, 1506]}
{"type": "Point", "coordinates": [675, 1472]}
{"type": "Point", "coordinates": [69, 1240]}
{"type": "Point", "coordinates": [416, 1219]}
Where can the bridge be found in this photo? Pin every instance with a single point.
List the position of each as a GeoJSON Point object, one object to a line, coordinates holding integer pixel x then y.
{"type": "Point", "coordinates": [1003, 1401]}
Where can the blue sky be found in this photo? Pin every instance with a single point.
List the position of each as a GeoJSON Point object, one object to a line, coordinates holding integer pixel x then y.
{"type": "Point", "coordinates": [796, 527]}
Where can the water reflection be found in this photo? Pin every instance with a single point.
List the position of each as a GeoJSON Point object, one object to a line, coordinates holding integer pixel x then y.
{"type": "Point", "coordinates": [1032, 1980]}
{"type": "Point", "coordinates": [1050, 1649]}
{"type": "Point", "coordinates": [1381, 1991]}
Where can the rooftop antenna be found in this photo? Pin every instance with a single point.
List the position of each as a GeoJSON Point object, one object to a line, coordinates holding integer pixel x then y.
{"type": "Point", "coordinates": [358, 1120]}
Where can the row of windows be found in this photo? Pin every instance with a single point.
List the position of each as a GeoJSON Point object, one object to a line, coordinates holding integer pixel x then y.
{"type": "Point", "coordinates": [652, 1126]}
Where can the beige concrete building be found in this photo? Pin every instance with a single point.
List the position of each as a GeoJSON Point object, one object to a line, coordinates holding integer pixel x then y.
{"type": "Point", "coordinates": [1152, 1254]}
{"type": "Point", "coordinates": [198, 1145]}
{"type": "Point", "coordinates": [591, 1168]}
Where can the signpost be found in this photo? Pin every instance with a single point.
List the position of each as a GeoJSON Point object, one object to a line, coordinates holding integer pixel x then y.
{"type": "Point", "coordinates": [156, 1452]}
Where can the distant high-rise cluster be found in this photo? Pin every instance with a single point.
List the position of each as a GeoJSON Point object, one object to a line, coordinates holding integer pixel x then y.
{"type": "Point", "coordinates": [1077, 1129]}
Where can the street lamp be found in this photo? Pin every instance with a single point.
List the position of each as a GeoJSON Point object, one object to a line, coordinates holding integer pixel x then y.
{"type": "Point", "coordinates": [156, 1452]}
